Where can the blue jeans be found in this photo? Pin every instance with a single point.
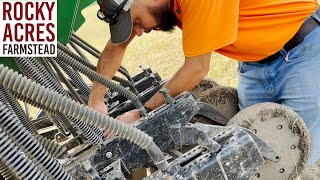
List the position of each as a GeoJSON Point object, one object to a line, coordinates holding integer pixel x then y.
{"type": "Point", "coordinates": [292, 80]}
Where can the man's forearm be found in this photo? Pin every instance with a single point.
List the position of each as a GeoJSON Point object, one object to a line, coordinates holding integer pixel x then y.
{"type": "Point", "coordinates": [108, 64]}
{"type": "Point", "coordinates": [188, 76]}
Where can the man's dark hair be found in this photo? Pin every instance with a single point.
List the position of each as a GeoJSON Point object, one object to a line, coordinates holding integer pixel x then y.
{"type": "Point", "coordinates": [164, 16]}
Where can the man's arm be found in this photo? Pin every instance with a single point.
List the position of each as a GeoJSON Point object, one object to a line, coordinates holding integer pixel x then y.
{"type": "Point", "coordinates": [108, 64]}
{"type": "Point", "coordinates": [187, 77]}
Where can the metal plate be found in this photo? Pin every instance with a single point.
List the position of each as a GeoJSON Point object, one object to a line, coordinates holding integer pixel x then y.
{"type": "Point", "coordinates": [283, 130]}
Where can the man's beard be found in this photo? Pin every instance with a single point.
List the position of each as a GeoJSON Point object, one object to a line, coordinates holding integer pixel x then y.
{"type": "Point", "coordinates": [164, 16]}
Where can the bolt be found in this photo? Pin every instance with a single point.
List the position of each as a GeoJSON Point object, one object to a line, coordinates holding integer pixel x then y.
{"type": "Point", "coordinates": [109, 155]}
{"type": "Point", "coordinates": [293, 146]}
{"type": "Point", "coordinates": [279, 127]}
{"type": "Point", "coordinates": [281, 170]}
{"type": "Point", "coordinates": [254, 131]}
{"type": "Point", "coordinates": [257, 175]}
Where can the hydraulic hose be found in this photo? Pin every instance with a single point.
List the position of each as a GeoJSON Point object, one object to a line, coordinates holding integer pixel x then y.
{"type": "Point", "coordinates": [74, 76]}
{"type": "Point", "coordinates": [43, 98]}
{"type": "Point", "coordinates": [126, 83]}
{"type": "Point", "coordinates": [73, 55]}
{"type": "Point", "coordinates": [94, 76]}
{"type": "Point", "coordinates": [15, 161]}
{"type": "Point", "coordinates": [7, 97]}
{"type": "Point", "coordinates": [6, 173]}
{"type": "Point", "coordinates": [32, 71]}
{"type": "Point", "coordinates": [67, 83]}
{"type": "Point", "coordinates": [29, 145]}
{"type": "Point", "coordinates": [75, 47]}
{"type": "Point", "coordinates": [56, 150]}
{"type": "Point", "coordinates": [93, 48]}
{"type": "Point", "coordinates": [66, 50]}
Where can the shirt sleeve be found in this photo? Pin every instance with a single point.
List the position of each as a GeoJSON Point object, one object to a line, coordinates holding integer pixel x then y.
{"type": "Point", "coordinates": [208, 25]}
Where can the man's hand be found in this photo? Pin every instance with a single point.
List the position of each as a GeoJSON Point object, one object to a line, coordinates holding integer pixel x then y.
{"type": "Point", "coordinates": [99, 106]}
{"type": "Point", "coordinates": [128, 118]}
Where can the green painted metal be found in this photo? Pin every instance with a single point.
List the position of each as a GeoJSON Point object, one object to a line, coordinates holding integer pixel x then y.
{"type": "Point", "coordinates": [80, 19]}
{"type": "Point", "coordinates": [67, 12]}
{"type": "Point", "coordinates": [9, 62]}
{"type": "Point", "coordinates": [69, 19]}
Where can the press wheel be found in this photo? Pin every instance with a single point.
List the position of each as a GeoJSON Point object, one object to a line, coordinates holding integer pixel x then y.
{"type": "Point", "coordinates": [285, 131]}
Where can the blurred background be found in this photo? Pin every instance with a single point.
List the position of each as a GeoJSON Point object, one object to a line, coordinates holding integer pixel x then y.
{"type": "Point", "coordinates": [161, 51]}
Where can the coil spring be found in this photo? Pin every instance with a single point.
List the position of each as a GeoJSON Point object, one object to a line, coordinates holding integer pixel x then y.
{"type": "Point", "coordinates": [16, 161]}
{"type": "Point", "coordinates": [98, 78]}
{"type": "Point", "coordinates": [56, 150]}
{"type": "Point", "coordinates": [83, 61]}
{"type": "Point", "coordinates": [73, 55]}
{"type": "Point", "coordinates": [28, 69]}
{"type": "Point", "coordinates": [62, 77]}
{"type": "Point", "coordinates": [76, 78]}
{"type": "Point", "coordinates": [6, 172]}
{"type": "Point", "coordinates": [30, 145]}
{"type": "Point", "coordinates": [8, 98]}
{"type": "Point", "coordinates": [43, 98]}
{"type": "Point", "coordinates": [25, 66]}
{"type": "Point", "coordinates": [126, 83]}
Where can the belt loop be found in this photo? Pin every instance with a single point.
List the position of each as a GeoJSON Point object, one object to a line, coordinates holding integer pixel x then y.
{"type": "Point", "coordinates": [316, 15]}
{"type": "Point", "coordinates": [286, 58]}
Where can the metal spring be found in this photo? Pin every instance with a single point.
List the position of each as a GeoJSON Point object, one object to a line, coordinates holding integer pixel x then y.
{"type": "Point", "coordinates": [30, 146]}
{"type": "Point", "coordinates": [83, 61]}
{"type": "Point", "coordinates": [88, 132]}
{"type": "Point", "coordinates": [62, 78]}
{"type": "Point", "coordinates": [37, 95]}
{"type": "Point", "coordinates": [45, 73]}
{"type": "Point", "coordinates": [16, 161]}
{"type": "Point", "coordinates": [30, 71]}
{"type": "Point", "coordinates": [87, 45]}
{"type": "Point", "coordinates": [8, 98]}
{"type": "Point", "coordinates": [55, 149]}
{"type": "Point", "coordinates": [25, 66]}
{"type": "Point", "coordinates": [99, 78]}
{"type": "Point", "coordinates": [6, 173]}
{"type": "Point", "coordinates": [76, 78]}
{"type": "Point", "coordinates": [126, 83]}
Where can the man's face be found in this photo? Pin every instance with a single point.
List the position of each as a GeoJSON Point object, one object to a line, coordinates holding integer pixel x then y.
{"type": "Point", "coordinates": [150, 15]}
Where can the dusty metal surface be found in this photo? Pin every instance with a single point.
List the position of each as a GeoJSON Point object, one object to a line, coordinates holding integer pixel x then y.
{"type": "Point", "coordinates": [238, 158]}
{"type": "Point", "coordinates": [283, 130]}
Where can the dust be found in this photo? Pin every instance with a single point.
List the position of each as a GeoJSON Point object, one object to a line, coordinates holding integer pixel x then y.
{"type": "Point", "coordinates": [262, 113]}
{"type": "Point", "coordinates": [223, 99]}
{"type": "Point", "coordinates": [204, 85]}
{"type": "Point", "coordinates": [311, 172]}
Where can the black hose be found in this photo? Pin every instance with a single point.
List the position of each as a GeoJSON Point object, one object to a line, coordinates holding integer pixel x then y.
{"type": "Point", "coordinates": [93, 48]}
{"type": "Point", "coordinates": [7, 97]}
{"type": "Point", "coordinates": [66, 50]}
{"type": "Point", "coordinates": [6, 173]}
{"type": "Point", "coordinates": [74, 76]}
{"type": "Point", "coordinates": [43, 98]}
{"type": "Point", "coordinates": [126, 83]}
{"type": "Point", "coordinates": [27, 67]}
{"type": "Point", "coordinates": [29, 145]}
{"type": "Point", "coordinates": [16, 161]}
{"type": "Point", "coordinates": [77, 50]}
{"type": "Point", "coordinates": [56, 150]}
{"type": "Point", "coordinates": [94, 76]}
{"type": "Point", "coordinates": [67, 83]}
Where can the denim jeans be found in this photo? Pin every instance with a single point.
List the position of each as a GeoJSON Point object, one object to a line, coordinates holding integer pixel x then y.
{"type": "Point", "coordinates": [292, 79]}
